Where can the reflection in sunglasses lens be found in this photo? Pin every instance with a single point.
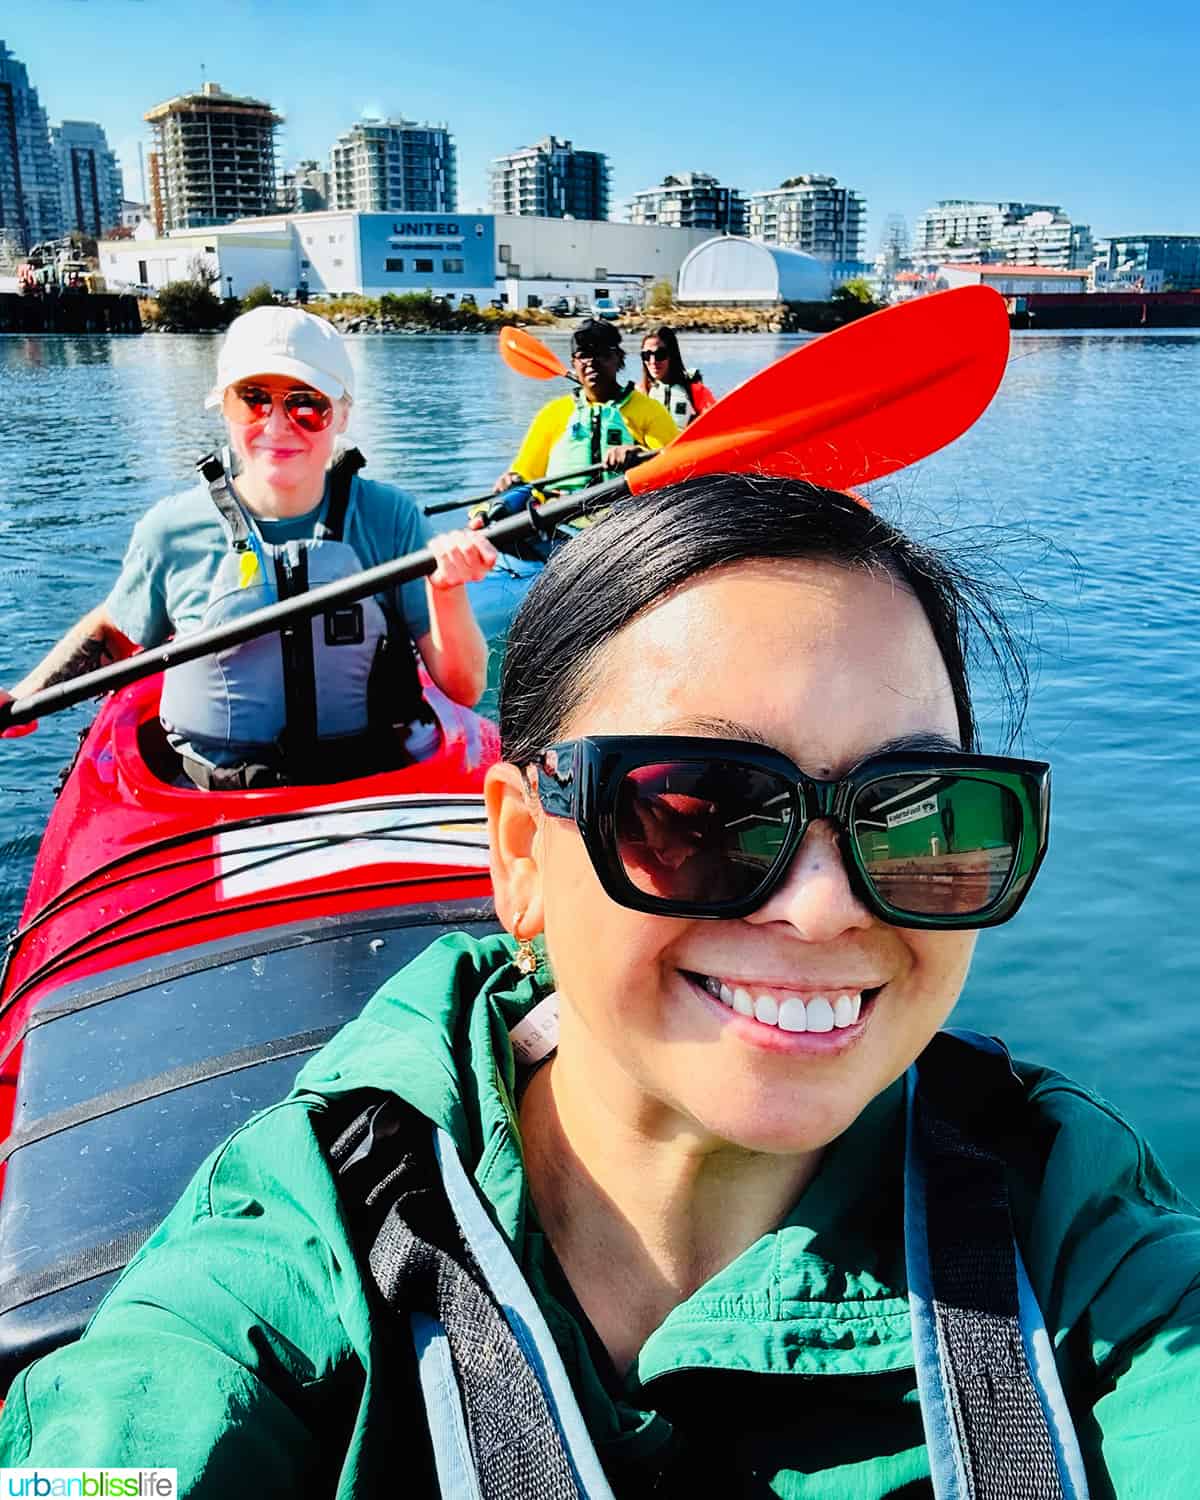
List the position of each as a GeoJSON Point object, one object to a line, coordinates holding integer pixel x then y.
{"type": "Point", "coordinates": [937, 845]}
{"type": "Point", "coordinates": [308, 410]}
{"type": "Point", "coordinates": [703, 831]}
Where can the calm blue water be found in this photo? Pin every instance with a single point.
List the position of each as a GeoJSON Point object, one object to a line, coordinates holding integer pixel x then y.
{"type": "Point", "coordinates": [1081, 479]}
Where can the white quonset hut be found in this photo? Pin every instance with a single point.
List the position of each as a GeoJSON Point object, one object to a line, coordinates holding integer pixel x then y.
{"type": "Point", "coordinates": [731, 269]}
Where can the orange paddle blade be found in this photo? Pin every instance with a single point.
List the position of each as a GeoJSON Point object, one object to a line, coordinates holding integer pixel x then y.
{"type": "Point", "coordinates": [521, 352]}
{"type": "Point", "coordinates": [855, 404]}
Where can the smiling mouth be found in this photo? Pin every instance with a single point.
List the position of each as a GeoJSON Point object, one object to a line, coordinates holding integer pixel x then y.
{"type": "Point", "coordinates": [835, 1009]}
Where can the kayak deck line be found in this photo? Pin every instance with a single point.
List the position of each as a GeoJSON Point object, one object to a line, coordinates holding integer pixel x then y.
{"type": "Point", "coordinates": [106, 1140]}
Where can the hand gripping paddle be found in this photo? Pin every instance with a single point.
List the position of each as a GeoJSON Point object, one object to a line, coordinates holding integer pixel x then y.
{"type": "Point", "coordinates": [851, 406]}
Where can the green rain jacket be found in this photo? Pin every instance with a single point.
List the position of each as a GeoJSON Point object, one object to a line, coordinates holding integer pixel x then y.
{"type": "Point", "coordinates": [241, 1348]}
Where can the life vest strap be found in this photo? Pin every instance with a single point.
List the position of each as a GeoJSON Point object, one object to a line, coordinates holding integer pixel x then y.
{"type": "Point", "coordinates": [492, 1423]}
{"type": "Point", "coordinates": [299, 668]}
{"type": "Point", "coordinates": [212, 467]}
{"type": "Point", "coordinates": [996, 1422]}
{"type": "Point", "coordinates": [341, 479]}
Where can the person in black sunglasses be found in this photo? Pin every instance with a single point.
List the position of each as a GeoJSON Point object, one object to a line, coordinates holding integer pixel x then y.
{"type": "Point", "coordinates": [666, 378]}
{"type": "Point", "coordinates": [678, 1186]}
{"type": "Point", "coordinates": [607, 421]}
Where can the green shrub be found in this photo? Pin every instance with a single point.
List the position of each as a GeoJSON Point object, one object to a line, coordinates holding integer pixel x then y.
{"type": "Point", "coordinates": [415, 307]}
{"type": "Point", "coordinates": [258, 296]}
{"type": "Point", "coordinates": [854, 290]}
{"type": "Point", "coordinates": [661, 298]}
{"type": "Point", "coordinates": [188, 307]}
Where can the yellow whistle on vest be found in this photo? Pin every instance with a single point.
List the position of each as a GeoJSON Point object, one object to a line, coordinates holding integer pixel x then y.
{"type": "Point", "coordinates": [247, 569]}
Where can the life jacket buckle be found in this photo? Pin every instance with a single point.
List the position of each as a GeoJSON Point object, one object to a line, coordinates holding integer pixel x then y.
{"type": "Point", "coordinates": [345, 626]}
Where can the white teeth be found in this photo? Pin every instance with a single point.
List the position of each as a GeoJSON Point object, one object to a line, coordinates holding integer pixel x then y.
{"type": "Point", "coordinates": [791, 1013]}
{"type": "Point", "coordinates": [819, 1014]}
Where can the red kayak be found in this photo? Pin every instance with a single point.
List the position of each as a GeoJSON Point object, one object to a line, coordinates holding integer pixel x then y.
{"type": "Point", "coordinates": [179, 956]}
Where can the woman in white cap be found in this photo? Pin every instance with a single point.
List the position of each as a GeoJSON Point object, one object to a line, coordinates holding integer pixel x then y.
{"type": "Point", "coordinates": [285, 513]}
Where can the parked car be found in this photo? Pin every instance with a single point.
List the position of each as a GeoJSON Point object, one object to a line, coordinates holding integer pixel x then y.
{"type": "Point", "coordinates": [562, 307]}
{"type": "Point", "coordinates": [605, 307]}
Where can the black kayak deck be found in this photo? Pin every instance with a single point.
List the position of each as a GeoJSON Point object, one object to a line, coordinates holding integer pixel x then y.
{"type": "Point", "coordinates": [128, 1083]}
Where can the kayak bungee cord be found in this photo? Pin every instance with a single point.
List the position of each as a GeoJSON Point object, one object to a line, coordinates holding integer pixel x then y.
{"type": "Point", "coordinates": [85, 884]}
{"type": "Point", "coordinates": [71, 954]}
{"type": "Point", "coordinates": [288, 850]}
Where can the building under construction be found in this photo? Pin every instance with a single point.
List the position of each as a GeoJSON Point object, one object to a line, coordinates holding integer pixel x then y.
{"type": "Point", "coordinates": [216, 157]}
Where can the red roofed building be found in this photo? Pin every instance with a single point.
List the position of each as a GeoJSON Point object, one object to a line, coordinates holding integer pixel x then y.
{"type": "Point", "coordinates": [1013, 281]}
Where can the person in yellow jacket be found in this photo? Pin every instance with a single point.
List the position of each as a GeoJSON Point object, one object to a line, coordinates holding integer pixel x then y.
{"type": "Point", "coordinates": [607, 421]}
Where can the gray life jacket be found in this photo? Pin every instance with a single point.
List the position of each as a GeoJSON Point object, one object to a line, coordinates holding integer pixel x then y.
{"type": "Point", "coordinates": [299, 696]}
{"type": "Point", "coordinates": [503, 1418]}
{"type": "Point", "coordinates": [677, 398]}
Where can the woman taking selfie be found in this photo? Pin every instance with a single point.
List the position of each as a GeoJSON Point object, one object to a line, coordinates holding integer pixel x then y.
{"type": "Point", "coordinates": [677, 1187]}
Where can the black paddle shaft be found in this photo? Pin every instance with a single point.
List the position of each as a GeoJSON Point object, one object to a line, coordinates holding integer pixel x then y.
{"type": "Point", "coordinates": [541, 518]}
{"type": "Point", "coordinates": [445, 506]}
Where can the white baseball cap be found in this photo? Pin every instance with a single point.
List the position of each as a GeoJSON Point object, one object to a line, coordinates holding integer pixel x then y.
{"type": "Point", "coordinates": [284, 341]}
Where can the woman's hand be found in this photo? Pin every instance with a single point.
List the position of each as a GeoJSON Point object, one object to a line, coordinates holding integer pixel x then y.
{"type": "Point", "coordinates": [462, 557]}
{"type": "Point", "coordinates": [17, 730]}
{"type": "Point", "coordinates": [506, 481]}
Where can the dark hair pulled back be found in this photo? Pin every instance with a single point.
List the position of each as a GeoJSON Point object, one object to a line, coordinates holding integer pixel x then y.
{"type": "Point", "coordinates": [676, 370]}
{"type": "Point", "coordinates": [649, 545]}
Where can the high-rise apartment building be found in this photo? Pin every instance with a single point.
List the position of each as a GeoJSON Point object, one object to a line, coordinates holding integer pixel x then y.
{"type": "Point", "coordinates": [305, 189]}
{"type": "Point", "coordinates": [1022, 234]}
{"type": "Point", "coordinates": [30, 209]}
{"type": "Point", "coordinates": [394, 166]}
{"type": "Point", "coordinates": [89, 177]}
{"type": "Point", "coordinates": [691, 200]}
{"type": "Point", "coordinates": [216, 157]}
{"type": "Point", "coordinates": [813, 214]}
{"type": "Point", "coordinates": [551, 180]}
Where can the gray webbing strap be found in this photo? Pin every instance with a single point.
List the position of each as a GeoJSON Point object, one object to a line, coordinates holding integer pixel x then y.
{"type": "Point", "coordinates": [384, 1162]}
{"type": "Point", "coordinates": [995, 1419]}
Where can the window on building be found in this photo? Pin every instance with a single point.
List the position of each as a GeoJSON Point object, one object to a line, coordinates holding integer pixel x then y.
{"type": "Point", "coordinates": [143, 278]}
{"type": "Point", "coordinates": [505, 252]}
{"type": "Point", "coordinates": [337, 262]}
{"type": "Point", "coordinates": [422, 265]}
{"type": "Point", "coordinates": [453, 267]}
{"type": "Point", "coordinates": [393, 264]}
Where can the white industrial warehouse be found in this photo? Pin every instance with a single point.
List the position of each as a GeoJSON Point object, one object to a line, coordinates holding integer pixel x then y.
{"type": "Point", "coordinates": [730, 269]}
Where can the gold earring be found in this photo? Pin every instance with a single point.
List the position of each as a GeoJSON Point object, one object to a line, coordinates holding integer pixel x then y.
{"type": "Point", "coordinates": [526, 958]}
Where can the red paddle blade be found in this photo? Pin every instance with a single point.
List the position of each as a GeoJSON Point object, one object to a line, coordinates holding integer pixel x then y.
{"type": "Point", "coordinates": [521, 352]}
{"type": "Point", "coordinates": [855, 404]}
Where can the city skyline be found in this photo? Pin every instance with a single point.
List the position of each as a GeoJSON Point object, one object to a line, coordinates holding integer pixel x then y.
{"type": "Point", "coordinates": [905, 129]}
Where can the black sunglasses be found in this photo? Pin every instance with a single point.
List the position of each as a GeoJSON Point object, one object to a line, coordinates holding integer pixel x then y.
{"type": "Point", "coordinates": [655, 354]}
{"type": "Point", "coordinates": [690, 827]}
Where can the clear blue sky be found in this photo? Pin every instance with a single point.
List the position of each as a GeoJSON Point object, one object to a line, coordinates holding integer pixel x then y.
{"type": "Point", "coordinates": [1095, 106]}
